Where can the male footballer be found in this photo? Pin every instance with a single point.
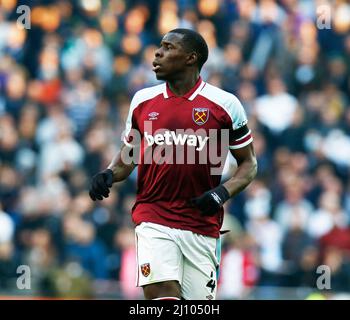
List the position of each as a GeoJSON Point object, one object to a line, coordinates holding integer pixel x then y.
{"type": "Point", "coordinates": [178, 211]}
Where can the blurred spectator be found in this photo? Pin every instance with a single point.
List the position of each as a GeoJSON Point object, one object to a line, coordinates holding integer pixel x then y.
{"type": "Point", "coordinates": [328, 216]}
{"type": "Point", "coordinates": [61, 154]}
{"type": "Point", "coordinates": [239, 272]}
{"type": "Point", "coordinates": [82, 246]}
{"type": "Point", "coordinates": [268, 235]}
{"type": "Point", "coordinates": [293, 207]}
{"type": "Point", "coordinates": [276, 109]}
{"type": "Point", "coordinates": [295, 245]}
{"type": "Point", "coordinates": [125, 240]}
{"type": "Point", "coordinates": [306, 274]}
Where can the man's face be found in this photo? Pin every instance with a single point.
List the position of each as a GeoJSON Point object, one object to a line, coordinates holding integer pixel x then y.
{"type": "Point", "coordinates": [171, 58]}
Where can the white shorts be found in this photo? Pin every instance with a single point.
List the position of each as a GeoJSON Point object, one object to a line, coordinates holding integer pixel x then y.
{"type": "Point", "coordinates": [165, 254]}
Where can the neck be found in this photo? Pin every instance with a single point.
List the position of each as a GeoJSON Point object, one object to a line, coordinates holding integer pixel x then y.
{"type": "Point", "coordinates": [181, 86]}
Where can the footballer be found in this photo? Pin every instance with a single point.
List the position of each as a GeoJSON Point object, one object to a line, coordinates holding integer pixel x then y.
{"type": "Point", "coordinates": [178, 211]}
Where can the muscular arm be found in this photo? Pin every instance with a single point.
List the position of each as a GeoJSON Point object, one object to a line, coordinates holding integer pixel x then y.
{"type": "Point", "coordinates": [121, 170]}
{"type": "Point", "coordinates": [246, 171]}
{"type": "Point", "coordinates": [211, 201]}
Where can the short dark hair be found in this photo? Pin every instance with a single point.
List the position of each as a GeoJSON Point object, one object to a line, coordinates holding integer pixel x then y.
{"type": "Point", "coordinates": [193, 41]}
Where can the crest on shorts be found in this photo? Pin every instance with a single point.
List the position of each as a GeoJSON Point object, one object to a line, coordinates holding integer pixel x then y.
{"type": "Point", "coordinates": [200, 115]}
{"type": "Point", "coordinates": [145, 269]}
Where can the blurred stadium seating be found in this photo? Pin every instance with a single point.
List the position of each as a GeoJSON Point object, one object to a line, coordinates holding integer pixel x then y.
{"type": "Point", "coordinates": [65, 89]}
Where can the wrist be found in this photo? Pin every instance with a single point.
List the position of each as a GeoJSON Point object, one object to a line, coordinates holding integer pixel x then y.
{"type": "Point", "coordinates": [220, 194]}
{"type": "Point", "coordinates": [109, 172]}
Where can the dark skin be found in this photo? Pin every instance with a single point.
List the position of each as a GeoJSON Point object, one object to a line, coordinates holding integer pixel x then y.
{"type": "Point", "coordinates": [179, 68]}
{"type": "Point", "coordinates": [174, 64]}
{"type": "Point", "coordinates": [246, 170]}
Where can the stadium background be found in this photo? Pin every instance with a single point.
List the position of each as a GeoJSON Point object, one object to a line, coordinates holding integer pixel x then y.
{"type": "Point", "coordinates": [65, 89]}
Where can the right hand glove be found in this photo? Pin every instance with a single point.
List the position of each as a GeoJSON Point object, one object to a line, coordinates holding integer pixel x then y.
{"type": "Point", "coordinates": [100, 185]}
{"type": "Point", "coordinates": [210, 202]}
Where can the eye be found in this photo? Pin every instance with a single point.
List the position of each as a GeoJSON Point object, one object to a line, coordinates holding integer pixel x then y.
{"type": "Point", "coordinates": [167, 46]}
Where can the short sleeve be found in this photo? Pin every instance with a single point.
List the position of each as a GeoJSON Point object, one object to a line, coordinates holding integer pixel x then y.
{"type": "Point", "coordinates": [131, 124]}
{"type": "Point", "coordinates": [240, 134]}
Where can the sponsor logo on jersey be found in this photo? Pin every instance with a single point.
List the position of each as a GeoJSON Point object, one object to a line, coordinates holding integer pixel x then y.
{"type": "Point", "coordinates": [200, 115]}
{"type": "Point", "coordinates": [180, 146]}
{"type": "Point", "coordinates": [153, 115]}
{"type": "Point", "coordinates": [145, 269]}
{"type": "Point", "coordinates": [171, 137]}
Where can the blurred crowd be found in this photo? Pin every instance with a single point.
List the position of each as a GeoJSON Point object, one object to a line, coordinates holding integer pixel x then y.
{"type": "Point", "coordinates": [65, 89]}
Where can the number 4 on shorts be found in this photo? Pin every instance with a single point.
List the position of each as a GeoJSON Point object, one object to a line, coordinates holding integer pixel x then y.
{"type": "Point", "coordinates": [211, 284]}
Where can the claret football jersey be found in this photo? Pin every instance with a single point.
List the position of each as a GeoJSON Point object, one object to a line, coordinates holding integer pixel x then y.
{"type": "Point", "coordinates": [182, 144]}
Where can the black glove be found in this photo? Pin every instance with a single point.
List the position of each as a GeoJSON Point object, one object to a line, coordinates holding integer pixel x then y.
{"type": "Point", "coordinates": [100, 184]}
{"type": "Point", "coordinates": [210, 202]}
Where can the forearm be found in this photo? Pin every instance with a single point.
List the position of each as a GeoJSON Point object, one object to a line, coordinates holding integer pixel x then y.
{"type": "Point", "coordinates": [121, 170]}
{"type": "Point", "coordinates": [212, 200]}
{"type": "Point", "coordinates": [243, 176]}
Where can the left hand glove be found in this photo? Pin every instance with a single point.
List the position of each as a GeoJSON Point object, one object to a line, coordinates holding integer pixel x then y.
{"type": "Point", "coordinates": [100, 185]}
{"type": "Point", "coordinates": [210, 202]}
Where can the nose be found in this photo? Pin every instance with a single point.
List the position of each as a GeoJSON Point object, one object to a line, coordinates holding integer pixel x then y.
{"type": "Point", "coordinates": [159, 52]}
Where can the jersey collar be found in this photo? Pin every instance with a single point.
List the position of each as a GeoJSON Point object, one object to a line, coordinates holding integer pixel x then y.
{"type": "Point", "coordinates": [190, 95]}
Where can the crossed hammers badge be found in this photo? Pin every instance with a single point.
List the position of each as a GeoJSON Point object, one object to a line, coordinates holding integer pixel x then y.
{"type": "Point", "coordinates": [200, 115]}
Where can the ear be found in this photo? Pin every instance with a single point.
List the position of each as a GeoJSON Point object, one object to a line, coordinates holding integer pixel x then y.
{"type": "Point", "coordinates": [192, 58]}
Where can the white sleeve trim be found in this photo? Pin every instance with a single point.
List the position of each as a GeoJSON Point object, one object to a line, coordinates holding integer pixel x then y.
{"type": "Point", "coordinates": [249, 132]}
{"type": "Point", "coordinates": [242, 144]}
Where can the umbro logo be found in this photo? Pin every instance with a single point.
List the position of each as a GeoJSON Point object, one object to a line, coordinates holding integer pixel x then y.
{"type": "Point", "coordinates": [153, 115]}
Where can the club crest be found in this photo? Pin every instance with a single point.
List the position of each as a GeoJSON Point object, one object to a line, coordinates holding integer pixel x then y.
{"type": "Point", "coordinates": [145, 269]}
{"type": "Point", "coordinates": [200, 115]}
